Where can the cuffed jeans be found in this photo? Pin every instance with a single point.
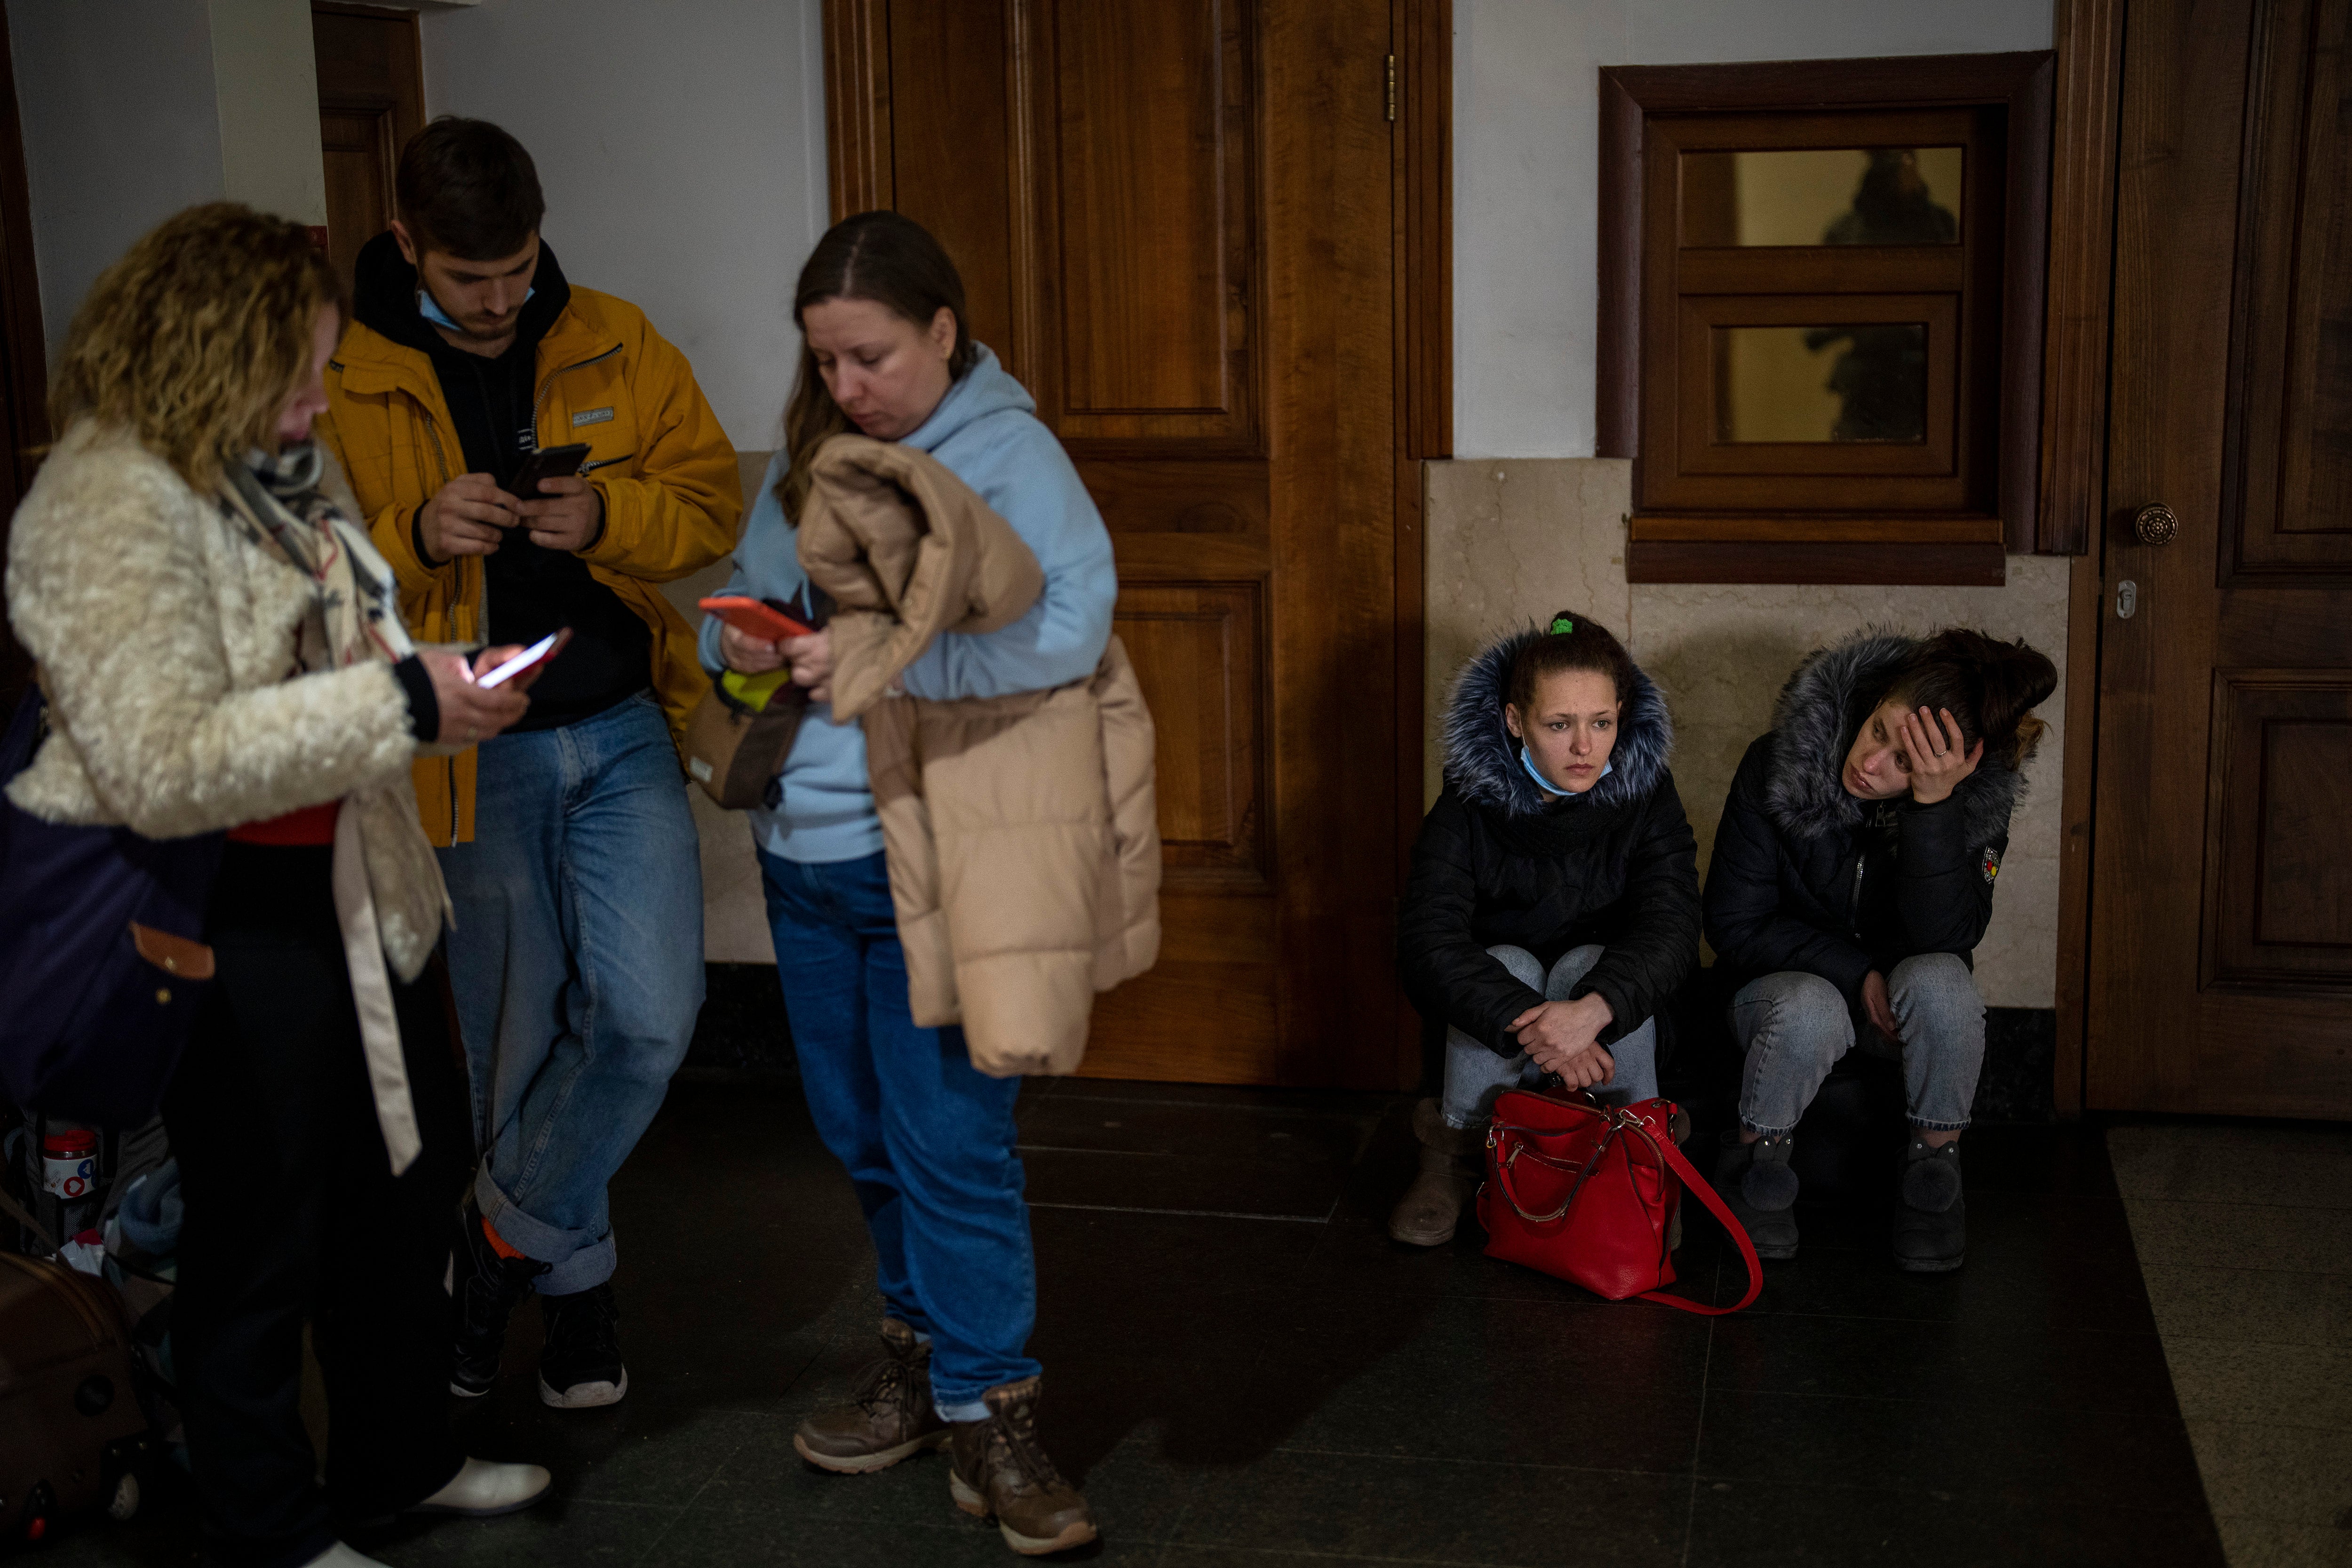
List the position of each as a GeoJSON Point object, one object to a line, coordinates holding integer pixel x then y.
{"type": "Point", "coordinates": [927, 1137]}
{"type": "Point", "coordinates": [1475, 1074]}
{"type": "Point", "coordinates": [1794, 1027]}
{"type": "Point", "coordinates": [577, 963]}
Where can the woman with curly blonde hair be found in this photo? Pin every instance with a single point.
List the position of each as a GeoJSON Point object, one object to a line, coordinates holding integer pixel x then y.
{"type": "Point", "coordinates": [220, 654]}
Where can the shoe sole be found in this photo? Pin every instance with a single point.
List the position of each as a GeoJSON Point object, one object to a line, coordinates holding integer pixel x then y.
{"type": "Point", "coordinates": [462, 1392]}
{"type": "Point", "coordinates": [865, 1464]}
{"type": "Point", "coordinates": [598, 1395]}
{"type": "Point", "coordinates": [1424, 1238]}
{"type": "Point", "coordinates": [972, 1503]}
{"type": "Point", "coordinates": [443, 1510]}
{"type": "Point", "coordinates": [1929, 1265]}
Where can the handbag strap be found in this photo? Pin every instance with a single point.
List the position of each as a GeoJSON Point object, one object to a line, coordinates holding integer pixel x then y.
{"type": "Point", "coordinates": [1693, 1182]}
{"type": "Point", "coordinates": [1504, 1163]}
{"type": "Point", "coordinates": [16, 1211]}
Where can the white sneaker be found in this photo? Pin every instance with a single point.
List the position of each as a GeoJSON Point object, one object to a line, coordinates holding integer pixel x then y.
{"type": "Point", "coordinates": [342, 1556]}
{"type": "Point", "coordinates": [482, 1490]}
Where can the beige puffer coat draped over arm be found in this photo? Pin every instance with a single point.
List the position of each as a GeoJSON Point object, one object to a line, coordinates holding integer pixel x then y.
{"type": "Point", "coordinates": [1022, 831]}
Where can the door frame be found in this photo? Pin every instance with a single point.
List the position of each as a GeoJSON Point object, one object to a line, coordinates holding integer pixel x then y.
{"type": "Point", "coordinates": [1420, 94]}
{"type": "Point", "coordinates": [2088, 36]}
{"type": "Point", "coordinates": [24, 354]}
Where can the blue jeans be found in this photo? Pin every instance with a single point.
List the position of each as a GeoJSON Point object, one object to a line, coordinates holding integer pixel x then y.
{"type": "Point", "coordinates": [1794, 1027]}
{"type": "Point", "coordinates": [577, 965]}
{"type": "Point", "coordinates": [926, 1136]}
{"type": "Point", "coordinates": [1476, 1075]}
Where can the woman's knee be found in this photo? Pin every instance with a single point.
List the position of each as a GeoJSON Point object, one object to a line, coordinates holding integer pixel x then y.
{"type": "Point", "coordinates": [1570, 967]}
{"type": "Point", "coordinates": [1523, 965]}
{"type": "Point", "coordinates": [1797, 1012]}
{"type": "Point", "coordinates": [1939, 980]}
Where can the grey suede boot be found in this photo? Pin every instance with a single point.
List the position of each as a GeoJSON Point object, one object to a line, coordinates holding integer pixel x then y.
{"type": "Point", "coordinates": [1931, 1225]}
{"type": "Point", "coordinates": [1758, 1185]}
{"type": "Point", "coordinates": [1451, 1169]}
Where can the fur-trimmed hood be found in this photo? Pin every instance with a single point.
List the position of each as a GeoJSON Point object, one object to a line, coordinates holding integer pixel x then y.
{"type": "Point", "coordinates": [1813, 725]}
{"type": "Point", "coordinates": [1482, 757]}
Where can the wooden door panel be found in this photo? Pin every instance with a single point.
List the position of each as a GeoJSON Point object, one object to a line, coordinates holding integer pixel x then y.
{"type": "Point", "coordinates": [1152, 166]}
{"type": "Point", "coordinates": [2290, 485]}
{"type": "Point", "coordinates": [1175, 223]}
{"type": "Point", "coordinates": [2220, 957]}
{"type": "Point", "coordinates": [1197, 650]}
{"type": "Point", "coordinates": [2278, 902]}
{"type": "Point", "coordinates": [371, 101]}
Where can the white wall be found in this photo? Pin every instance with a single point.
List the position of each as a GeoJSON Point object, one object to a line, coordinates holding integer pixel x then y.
{"type": "Point", "coordinates": [135, 109]}
{"type": "Point", "coordinates": [1525, 175]}
{"type": "Point", "coordinates": [121, 130]}
{"type": "Point", "coordinates": [267, 79]}
{"type": "Point", "coordinates": [682, 150]}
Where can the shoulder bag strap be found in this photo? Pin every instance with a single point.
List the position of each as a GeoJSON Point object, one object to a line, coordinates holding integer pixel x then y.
{"type": "Point", "coordinates": [1693, 1182]}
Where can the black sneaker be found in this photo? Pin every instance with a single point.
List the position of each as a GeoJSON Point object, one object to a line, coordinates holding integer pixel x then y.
{"type": "Point", "coordinates": [483, 1291]}
{"type": "Point", "coordinates": [1931, 1223]}
{"type": "Point", "coordinates": [581, 1366]}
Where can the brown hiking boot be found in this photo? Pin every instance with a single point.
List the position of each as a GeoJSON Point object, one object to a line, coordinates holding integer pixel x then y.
{"type": "Point", "coordinates": [997, 1469]}
{"type": "Point", "coordinates": [887, 1419]}
{"type": "Point", "coordinates": [1451, 1169]}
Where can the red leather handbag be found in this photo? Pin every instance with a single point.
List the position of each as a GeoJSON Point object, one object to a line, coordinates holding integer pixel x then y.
{"type": "Point", "coordinates": [1586, 1193]}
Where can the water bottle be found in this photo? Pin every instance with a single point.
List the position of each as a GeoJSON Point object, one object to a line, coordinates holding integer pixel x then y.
{"type": "Point", "coordinates": [70, 1178]}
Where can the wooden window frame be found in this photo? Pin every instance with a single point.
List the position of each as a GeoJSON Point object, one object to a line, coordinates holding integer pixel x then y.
{"type": "Point", "coordinates": [1781, 543]}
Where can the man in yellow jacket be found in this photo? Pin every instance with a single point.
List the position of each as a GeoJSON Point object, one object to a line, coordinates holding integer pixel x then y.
{"type": "Point", "coordinates": [569, 853]}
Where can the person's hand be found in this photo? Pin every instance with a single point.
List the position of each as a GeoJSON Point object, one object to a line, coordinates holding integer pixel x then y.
{"type": "Point", "coordinates": [812, 662]}
{"type": "Point", "coordinates": [470, 713]}
{"type": "Point", "coordinates": [1880, 1010]}
{"type": "Point", "coordinates": [748, 655]}
{"type": "Point", "coordinates": [566, 515]}
{"type": "Point", "coordinates": [1939, 761]}
{"type": "Point", "coordinates": [468, 516]}
{"type": "Point", "coordinates": [1586, 1068]}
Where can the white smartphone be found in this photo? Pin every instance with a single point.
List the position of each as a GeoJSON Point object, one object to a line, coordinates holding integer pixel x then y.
{"type": "Point", "coordinates": [541, 649]}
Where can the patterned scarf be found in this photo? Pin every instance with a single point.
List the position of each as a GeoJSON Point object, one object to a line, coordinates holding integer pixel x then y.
{"type": "Point", "coordinates": [389, 897]}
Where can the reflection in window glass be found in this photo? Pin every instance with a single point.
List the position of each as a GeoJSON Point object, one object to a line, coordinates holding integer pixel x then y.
{"type": "Point", "coordinates": [1865, 382]}
{"type": "Point", "coordinates": [1822, 195]}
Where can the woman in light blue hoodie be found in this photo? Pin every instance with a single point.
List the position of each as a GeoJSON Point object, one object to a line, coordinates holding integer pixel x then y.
{"type": "Point", "coordinates": [928, 1138]}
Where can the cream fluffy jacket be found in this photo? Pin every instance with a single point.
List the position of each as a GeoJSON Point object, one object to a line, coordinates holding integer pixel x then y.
{"type": "Point", "coordinates": [166, 639]}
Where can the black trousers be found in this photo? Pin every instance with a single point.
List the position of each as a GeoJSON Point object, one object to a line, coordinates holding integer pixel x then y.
{"type": "Point", "coordinates": [293, 1213]}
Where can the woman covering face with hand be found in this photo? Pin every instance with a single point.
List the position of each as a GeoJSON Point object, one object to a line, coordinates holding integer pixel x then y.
{"type": "Point", "coordinates": [1853, 875]}
{"type": "Point", "coordinates": [1553, 904]}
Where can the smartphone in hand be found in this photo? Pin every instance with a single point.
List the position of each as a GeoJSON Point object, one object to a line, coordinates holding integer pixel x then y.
{"type": "Point", "coordinates": [537, 654]}
{"type": "Point", "coordinates": [546, 463]}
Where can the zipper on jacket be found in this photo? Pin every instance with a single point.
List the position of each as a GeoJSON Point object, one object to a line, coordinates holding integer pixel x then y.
{"type": "Point", "coordinates": [1853, 904]}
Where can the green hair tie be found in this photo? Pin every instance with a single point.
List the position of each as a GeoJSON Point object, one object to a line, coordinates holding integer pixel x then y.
{"type": "Point", "coordinates": [1562, 626]}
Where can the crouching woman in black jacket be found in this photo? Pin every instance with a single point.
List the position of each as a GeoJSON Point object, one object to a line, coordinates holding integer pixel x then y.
{"type": "Point", "coordinates": [1553, 904]}
{"type": "Point", "coordinates": [1853, 875]}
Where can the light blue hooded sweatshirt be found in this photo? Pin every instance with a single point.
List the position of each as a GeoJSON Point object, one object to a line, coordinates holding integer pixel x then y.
{"type": "Point", "coordinates": [987, 433]}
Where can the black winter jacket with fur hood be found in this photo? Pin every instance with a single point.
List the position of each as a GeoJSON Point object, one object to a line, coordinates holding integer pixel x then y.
{"type": "Point", "coordinates": [1496, 863]}
{"type": "Point", "coordinates": [1805, 876]}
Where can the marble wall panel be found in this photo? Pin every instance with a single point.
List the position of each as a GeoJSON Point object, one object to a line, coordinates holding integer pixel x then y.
{"type": "Point", "coordinates": [1508, 541]}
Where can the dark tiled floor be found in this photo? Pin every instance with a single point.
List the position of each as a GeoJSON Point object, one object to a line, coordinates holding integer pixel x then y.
{"type": "Point", "coordinates": [1242, 1368]}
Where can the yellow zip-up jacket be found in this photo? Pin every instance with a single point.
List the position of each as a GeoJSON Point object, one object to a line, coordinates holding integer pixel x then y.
{"type": "Point", "coordinates": [658, 457]}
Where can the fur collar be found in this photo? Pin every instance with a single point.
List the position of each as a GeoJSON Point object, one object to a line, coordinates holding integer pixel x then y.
{"type": "Point", "coordinates": [1482, 759]}
{"type": "Point", "coordinates": [1814, 723]}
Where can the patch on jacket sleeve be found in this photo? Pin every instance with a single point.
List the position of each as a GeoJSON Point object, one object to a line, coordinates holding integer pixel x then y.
{"type": "Point", "coordinates": [590, 417]}
{"type": "Point", "coordinates": [1991, 863]}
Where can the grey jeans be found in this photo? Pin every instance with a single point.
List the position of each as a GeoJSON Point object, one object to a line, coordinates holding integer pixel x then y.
{"type": "Point", "coordinates": [1794, 1027]}
{"type": "Point", "coordinates": [1476, 1075]}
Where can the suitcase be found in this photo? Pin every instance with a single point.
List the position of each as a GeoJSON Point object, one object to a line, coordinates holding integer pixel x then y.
{"type": "Point", "coordinates": [73, 1436]}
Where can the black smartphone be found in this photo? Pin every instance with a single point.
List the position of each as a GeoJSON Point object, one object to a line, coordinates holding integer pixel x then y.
{"type": "Point", "coordinates": [546, 463]}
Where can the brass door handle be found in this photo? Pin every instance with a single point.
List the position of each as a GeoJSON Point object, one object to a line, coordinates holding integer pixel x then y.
{"type": "Point", "coordinates": [2155, 526]}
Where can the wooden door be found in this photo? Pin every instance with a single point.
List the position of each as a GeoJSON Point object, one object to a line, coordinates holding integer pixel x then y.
{"type": "Point", "coordinates": [24, 412]}
{"type": "Point", "coordinates": [1175, 220]}
{"type": "Point", "coordinates": [371, 101]}
{"type": "Point", "coordinates": [2220, 961]}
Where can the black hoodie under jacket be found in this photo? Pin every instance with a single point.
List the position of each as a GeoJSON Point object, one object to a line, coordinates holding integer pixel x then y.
{"type": "Point", "coordinates": [1497, 862]}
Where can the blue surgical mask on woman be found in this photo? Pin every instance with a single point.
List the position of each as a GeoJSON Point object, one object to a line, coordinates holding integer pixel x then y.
{"type": "Point", "coordinates": [1528, 762]}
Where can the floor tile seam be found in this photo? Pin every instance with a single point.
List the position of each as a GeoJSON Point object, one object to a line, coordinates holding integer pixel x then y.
{"type": "Point", "coordinates": [2135, 1411]}
{"type": "Point", "coordinates": [2246, 1268]}
{"type": "Point", "coordinates": [2344, 1430]}
{"type": "Point", "coordinates": [2339, 1350]}
{"type": "Point", "coordinates": [1957, 1494]}
{"type": "Point", "coordinates": [2025, 1325]}
{"type": "Point", "coordinates": [2131, 1198]}
{"type": "Point", "coordinates": [1186, 1213]}
{"type": "Point", "coordinates": [1478, 1464]}
{"type": "Point", "coordinates": [1334, 1556]}
{"type": "Point", "coordinates": [1211, 1105]}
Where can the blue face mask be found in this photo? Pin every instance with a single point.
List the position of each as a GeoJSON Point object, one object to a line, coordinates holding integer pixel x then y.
{"type": "Point", "coordinates": [430, 308]}
{"type": "Point", "coordinates": [1528, 762]}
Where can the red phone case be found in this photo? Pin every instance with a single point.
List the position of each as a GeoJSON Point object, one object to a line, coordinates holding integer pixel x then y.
{"type": "Point", "coordinates": [753, 618]}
